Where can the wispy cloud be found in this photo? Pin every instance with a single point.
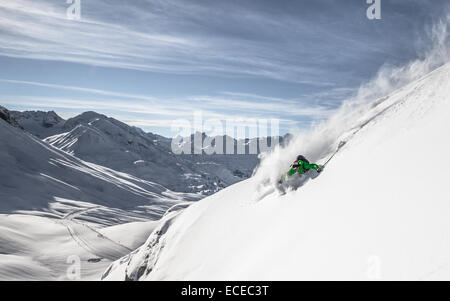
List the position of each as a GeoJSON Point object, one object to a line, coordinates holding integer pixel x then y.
{"type": "Point", "coordinates": [145, 116]}
{"type": "Point", "coordinates": [151, 112]}
{"type": "Point", "coordinates": [179, 37]}
{"type": "Point", "coordinates": [323, 47]}
{"type": "Point", "coordinates": [78, 89]}
{"type": "Point", "coordinates": [251, 104]}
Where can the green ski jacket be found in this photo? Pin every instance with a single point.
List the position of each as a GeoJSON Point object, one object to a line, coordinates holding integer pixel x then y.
{"type": "Point", "coordinates": [302, 167]}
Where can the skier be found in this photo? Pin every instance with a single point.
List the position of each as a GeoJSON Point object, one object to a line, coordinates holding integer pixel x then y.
{"type": "Point", "coordinates": [302, 165]}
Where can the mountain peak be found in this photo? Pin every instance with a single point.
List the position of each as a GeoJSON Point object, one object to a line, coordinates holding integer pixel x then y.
{"type": "Point", "coordinates": [39, 123]}
{"type": "Point", "coordinates": [83, 118]}
{"type": "Point", "coordinates": [5, 114]}
{"type": "Point", "coordinates": [89, 116]}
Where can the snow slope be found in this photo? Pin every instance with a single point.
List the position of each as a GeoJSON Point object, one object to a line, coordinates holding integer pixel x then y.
{"type": "Point", "coordinates": [380, 210]}
{"type": "Point", "coordinates": [53, 206]}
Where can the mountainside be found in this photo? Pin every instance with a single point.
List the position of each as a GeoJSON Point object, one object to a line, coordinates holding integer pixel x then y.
{"type": "Point", "coordinates": [29, 165]}
{"type": "Point", "coordinates": [380, 209]}
{"type": "Point", "coordinates": [106, 141]}
{"type": "Point", "coordinates": [39, 123]}
{"type": "Point", "coordinates": [53, 205]}
{"type": "Point", "coordinates": [5, 114]}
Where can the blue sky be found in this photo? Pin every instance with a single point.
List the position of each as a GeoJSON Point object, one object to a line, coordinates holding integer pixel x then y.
{"type": "Point", "coordinates": [149, 62]}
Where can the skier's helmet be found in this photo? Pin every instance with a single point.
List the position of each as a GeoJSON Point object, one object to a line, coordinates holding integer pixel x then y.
{"type": "Point", "coordinates": [302, 158]}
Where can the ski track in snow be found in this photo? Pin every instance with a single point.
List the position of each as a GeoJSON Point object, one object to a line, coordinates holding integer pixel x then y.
{"type": "Point", "coordinates": [91, 240]}
{"type": "Point", "coordinates": [144, 262]}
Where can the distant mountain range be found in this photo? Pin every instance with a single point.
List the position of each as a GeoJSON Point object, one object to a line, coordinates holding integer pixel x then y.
{"type": "Point", "coordinates": [106, 141]}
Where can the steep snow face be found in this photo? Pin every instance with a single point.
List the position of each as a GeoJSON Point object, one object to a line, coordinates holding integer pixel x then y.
{"type": "Point", "coordinates": [53, 206]}
{"type": "Point", "coordinates": [380, 210]}
{"type": "Point", "coordinates": [41, 124]}
{"type": "Point", "coordinates": [96, 138]}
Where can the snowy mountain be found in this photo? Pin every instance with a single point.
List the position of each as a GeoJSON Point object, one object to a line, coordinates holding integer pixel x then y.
{"type": "Point", "coordinates": [380, 209]}
{"type": "Point", "coordinates": [108, 142]}
{"type": "Point", "coordinates": [5, 114]}
{"type": "Point", "coordinates": [39, 123]}
{"type": "Point", "coordinates": [54, 205]}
